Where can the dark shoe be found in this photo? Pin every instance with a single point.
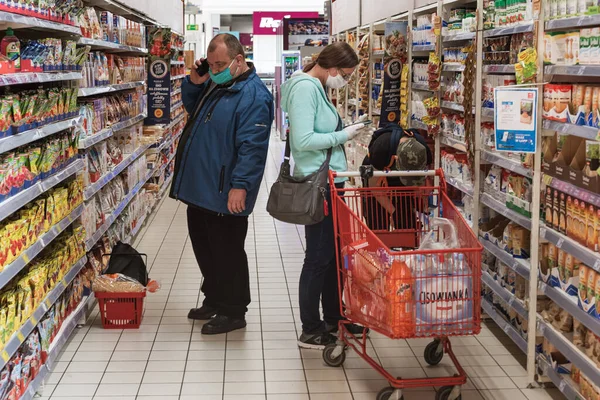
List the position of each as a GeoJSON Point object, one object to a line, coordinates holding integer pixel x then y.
{"type": "Point", "coordinates": [202, 313]}
{"type": "Point", "coordinates": [315, 341]}
{"type": "Point", "coordinates": [354, 329]}
{"type": "Point", "coordinates": [222, 324]}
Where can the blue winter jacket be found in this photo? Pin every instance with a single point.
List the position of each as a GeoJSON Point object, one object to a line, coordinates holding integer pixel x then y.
{"type": "Point", "coordinates": [224, 144]}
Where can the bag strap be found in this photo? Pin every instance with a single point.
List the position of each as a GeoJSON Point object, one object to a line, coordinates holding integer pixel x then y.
{"type": "Point", "coordinates": [288, 151]}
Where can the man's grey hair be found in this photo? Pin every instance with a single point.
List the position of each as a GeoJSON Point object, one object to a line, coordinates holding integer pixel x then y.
{"type": "Point", "coordinates": [234, 47]}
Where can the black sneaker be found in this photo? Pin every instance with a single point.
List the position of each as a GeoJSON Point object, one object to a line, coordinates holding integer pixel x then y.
{"type": "Point", "coordinates": [202, 313]}
{"type": "Point", "coordinates": [315, 341]}
{"type": "Point", "coordinates": [222, 324]}
{"type": "Point", "coordinates": [354, 329]}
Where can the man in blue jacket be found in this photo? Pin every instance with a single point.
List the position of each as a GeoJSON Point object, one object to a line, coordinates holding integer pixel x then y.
{"type": "Point", "coordinates": [218, 171]}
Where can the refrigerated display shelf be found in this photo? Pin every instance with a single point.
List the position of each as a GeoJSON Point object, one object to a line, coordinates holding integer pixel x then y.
{"type": "Point", "coordinates": [92, 91]}
{"type": "Point", "coordinates": [466, 188]}
{"type": "Point", "coordinates": [12, 269]}
{"type": "Point", "coordinates": [519, 265]}
{"type": "Point", "coordinates": [504, 325]}
{"type": "Point", "coordinates": [504, 294]}
{"type": "Point", "coordinates": [26, 137]}
{"type": "Point", "coordinates": [562, 242]}
{"type": "Point", "coordinates": [98, 44]}
{"type": "Point", "coordinates": [12, 204]}
{"type": "Point", "coordinates": [586, 132]}
{"type": "Point", "coordinates": [115, 214]}
{"type": "Point", "coordinates": [95, 187]}
{"type": "Point", "coordinates": [502, 209]}
{"type": "Point", "coordinates": [574, 354]}
{"type": "Point", "coordinates": [507, 163]}
{"type": "Point", "coordinates": [511, 30]}
{"type": "Point", "coordinates": [17, 339]}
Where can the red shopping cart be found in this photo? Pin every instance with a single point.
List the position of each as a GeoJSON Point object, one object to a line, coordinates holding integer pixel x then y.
{"type": "Point", "coordinates": [390, 286]}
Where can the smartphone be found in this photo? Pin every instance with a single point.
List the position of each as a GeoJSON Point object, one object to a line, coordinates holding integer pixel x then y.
{"type": "Point", "coordinates": [366, 123]}
{"type": "Point", "coordinates": [203, 68]}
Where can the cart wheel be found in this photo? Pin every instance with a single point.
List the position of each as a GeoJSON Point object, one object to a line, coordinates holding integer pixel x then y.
{"type": "Point", "coordinates": [387, 394]}
{"type": "Point", "coordinates": [330, 359]}
{"type": "Point", "coordinates": [444, 393]}
{"type": "Point", "coordinates": [432, 357]}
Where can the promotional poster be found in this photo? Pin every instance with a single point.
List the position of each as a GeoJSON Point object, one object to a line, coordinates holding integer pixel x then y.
{"type": "Point", "coordinates": [394, 59]}
{"type": "Point", "coordinates": [159, 76]}
{"type": "Point", "coordinates": [516, 119]}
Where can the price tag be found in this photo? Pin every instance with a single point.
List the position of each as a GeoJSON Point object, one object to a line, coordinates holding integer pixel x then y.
{"type": "Point", "coordinates": [562, 385]}
{"type": "Point", "coordinates": [543, 233]}
{"type": "Point", "coordinates": [5, 356]}
{"type": "Point", "coordinates": [33, 321]}
{"type": "Point", "coordinates": [598, 135]}
{"type": "Point", "coordinates": [64, 282]}
{"type": "Point", "coordinates": [20, 337]}
{"type": "Point", "coordinates": [25, 258]}
{"type": "Point", "coordinates": [560, 242]}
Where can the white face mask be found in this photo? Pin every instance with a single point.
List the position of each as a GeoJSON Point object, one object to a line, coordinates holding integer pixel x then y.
{"type": "Point", "coordinates": [336, 82]}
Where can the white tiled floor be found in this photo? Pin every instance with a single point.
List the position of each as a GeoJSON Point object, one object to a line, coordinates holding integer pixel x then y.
{"type": "Point", "coordinates": [168, 358]}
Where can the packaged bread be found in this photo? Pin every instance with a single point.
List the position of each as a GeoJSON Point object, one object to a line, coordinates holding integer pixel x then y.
{"type": "Point", "coordinates": [579, 333]}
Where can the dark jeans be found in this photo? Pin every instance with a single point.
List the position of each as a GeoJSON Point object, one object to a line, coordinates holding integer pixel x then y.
{"type": "Point", "coordinates": [318, 280]}
{"type": "Point", "coordinates": [218, 243]}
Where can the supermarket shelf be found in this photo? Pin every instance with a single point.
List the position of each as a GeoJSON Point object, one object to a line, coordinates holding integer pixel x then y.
{"type": "Point", "coordinates": [175, 77]}
{"type": "Point", "coordinates": [176, 105]}
{"type": "Point", "coordinates": [457, 144]}
{"type": "Point", "coordinates": [17, 21]}
{"type": "Point", "coordinates": [131, 237]}
{"type": "Point", "coordinates": [509, 30]}
{"type": "Point", "coordinates": [570, 189]}
{"type": "Point", "coordinates": [115, 214]}
{"type": "Point", "coordinates": [569, 304]}
{"type": "Point", "coordinates": [83, 92]}
{"type": "Point", "coordinates": [421, 86]}
{"type": "Point", "coordinates": [466, 188]}
{"type": "Point", "coordinates": [501, 208]}
{"type": "Point", "coordinates": [165, 186]}
{"type": "Point", "coordinates": [575, 70]}
{"type": "Point", "coordinates": [574, 22]}
{"type": "Point", "coordinates": [377, 81]}
{"type": "Point", "coordinates": [12, 269]}
{"type": "Point", "coordinates": [504, 325]}
{"type": "Point", "coordinates": [456, 37]}
{"type": "Point", "coordinates": [128, 122]}
{"type": "Point", "coordinates": [569, 350]}
{"type": "Point", "coordinates": [38, 77]}
{"type": "Point", "coordinates": [176, 91]}
{"type": "Point", "coordinates": [487, 112]}
{"type": "Point", "coordinates": [504, 294]}
{"type": "Point", "coordinates": [66, 330]}
{"type": "Point", "coordinates": [423, 47]}
{"type": "Point", "coordinates": [92, 189]}
{"type": "Point", "coordinates": [564, 383]}
{"type": "Point", "coordinates": [12, 204]}
{"type": "Point", "coordinates": [519, 265]}
{"type": "Point", "coordinates": [17, 339]}
{"type": "Point", "coordinates": [352, 102]}
{"type": "Point", "coordinates": [116, 47]}
{"type": "Point", "coordinates": [586, 132]}
{"type": "Point", "coordinates": [499, 69]}
{"type": "Point", "coordinates": [415, 123]}
{"type": "Point", "coordinates": [175, 121]}
{"type": "Point", "coordinates": [453, 67]}
{"type": "Point", "coordinates": [506, 163]}
{"type": "Point", "coordinates": [89, 141]}
{"type": "Point", "coordinates": [20, 139]}
{"type": "Point", "coordinates": [177, 62]}
{"type": "Point", "coordinates": [562, 242]}
{"type": "Point", "coordinates": [453, 106]}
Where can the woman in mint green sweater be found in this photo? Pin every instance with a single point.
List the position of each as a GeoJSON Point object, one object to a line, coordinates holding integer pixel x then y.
{"type": "Point", "coordinates": [315, 127]}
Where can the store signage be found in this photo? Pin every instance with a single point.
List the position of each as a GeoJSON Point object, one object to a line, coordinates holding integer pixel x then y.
{"type": "Point", "coordinates": [159, 77]}
{"type": "Point", "coordinates": [395, 58]}
{"type": "Point", "coordinates": [193, 27]}
{"type": "Point", "coordinates": [515, 119]}
{"type": "Point", "coordinates": [268, 22]}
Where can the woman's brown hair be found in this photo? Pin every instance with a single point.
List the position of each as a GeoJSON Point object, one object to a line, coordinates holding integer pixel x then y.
{"type": "Point", "coordinates": [336, 55]}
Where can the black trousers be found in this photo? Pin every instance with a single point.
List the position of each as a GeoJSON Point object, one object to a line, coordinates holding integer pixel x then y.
{"type": "Point", "coordinates": [218, 243]}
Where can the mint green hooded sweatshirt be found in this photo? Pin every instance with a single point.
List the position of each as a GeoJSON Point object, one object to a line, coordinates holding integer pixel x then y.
{"type": "Point", "coordinates": [313, 122]}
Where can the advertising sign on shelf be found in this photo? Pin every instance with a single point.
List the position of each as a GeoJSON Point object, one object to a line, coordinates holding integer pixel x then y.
{"type": "Point", "coordinates": [267, 23]}
{"type": "Point", "coordinates": [515, 117]}
{"type": "Point", "coordinates": [159, 76]}
{"type": "Point", "coordinates": [394, 60]}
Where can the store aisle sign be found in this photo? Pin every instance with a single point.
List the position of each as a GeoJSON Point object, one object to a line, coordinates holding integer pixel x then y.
{"type": "Point", "coordinates": [267, 23]}
{"type": "Point", "coordinates": [515, 119]}
{"type": "Point", "coordinates": [193, 27]}
{"type": "Point", "coordinates": [159, 77]}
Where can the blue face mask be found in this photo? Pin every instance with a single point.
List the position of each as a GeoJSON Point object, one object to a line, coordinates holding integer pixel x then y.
{"type": "Point", "coordinates": [223, 76]}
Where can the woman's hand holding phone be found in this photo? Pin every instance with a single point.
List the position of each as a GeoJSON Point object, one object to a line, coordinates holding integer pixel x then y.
{"type": "Point", "coordinates": [200, 74]}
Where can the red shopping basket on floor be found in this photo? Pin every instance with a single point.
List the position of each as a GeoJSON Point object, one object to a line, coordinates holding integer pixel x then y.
{"type": "Point", "coordinates": [121, 310]}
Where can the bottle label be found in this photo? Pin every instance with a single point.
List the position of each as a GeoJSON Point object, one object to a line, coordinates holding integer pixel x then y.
{"type": "Point", "coordinates": [14, 54]}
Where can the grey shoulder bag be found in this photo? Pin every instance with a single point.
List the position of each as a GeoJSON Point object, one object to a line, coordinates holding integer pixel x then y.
{"type": "Point", "coordinates": [299, 201]}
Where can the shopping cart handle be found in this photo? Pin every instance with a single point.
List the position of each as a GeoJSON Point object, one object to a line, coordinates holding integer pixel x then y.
{"type": "Point", "coordinates": [354, 174]}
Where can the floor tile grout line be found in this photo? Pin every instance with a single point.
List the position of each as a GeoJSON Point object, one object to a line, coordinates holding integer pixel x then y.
{"type": "Point", "coordinates": [164, 308]}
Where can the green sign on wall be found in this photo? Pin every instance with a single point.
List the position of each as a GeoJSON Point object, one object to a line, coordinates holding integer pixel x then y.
{"type": "Point", "coordinates": [192, 27]}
